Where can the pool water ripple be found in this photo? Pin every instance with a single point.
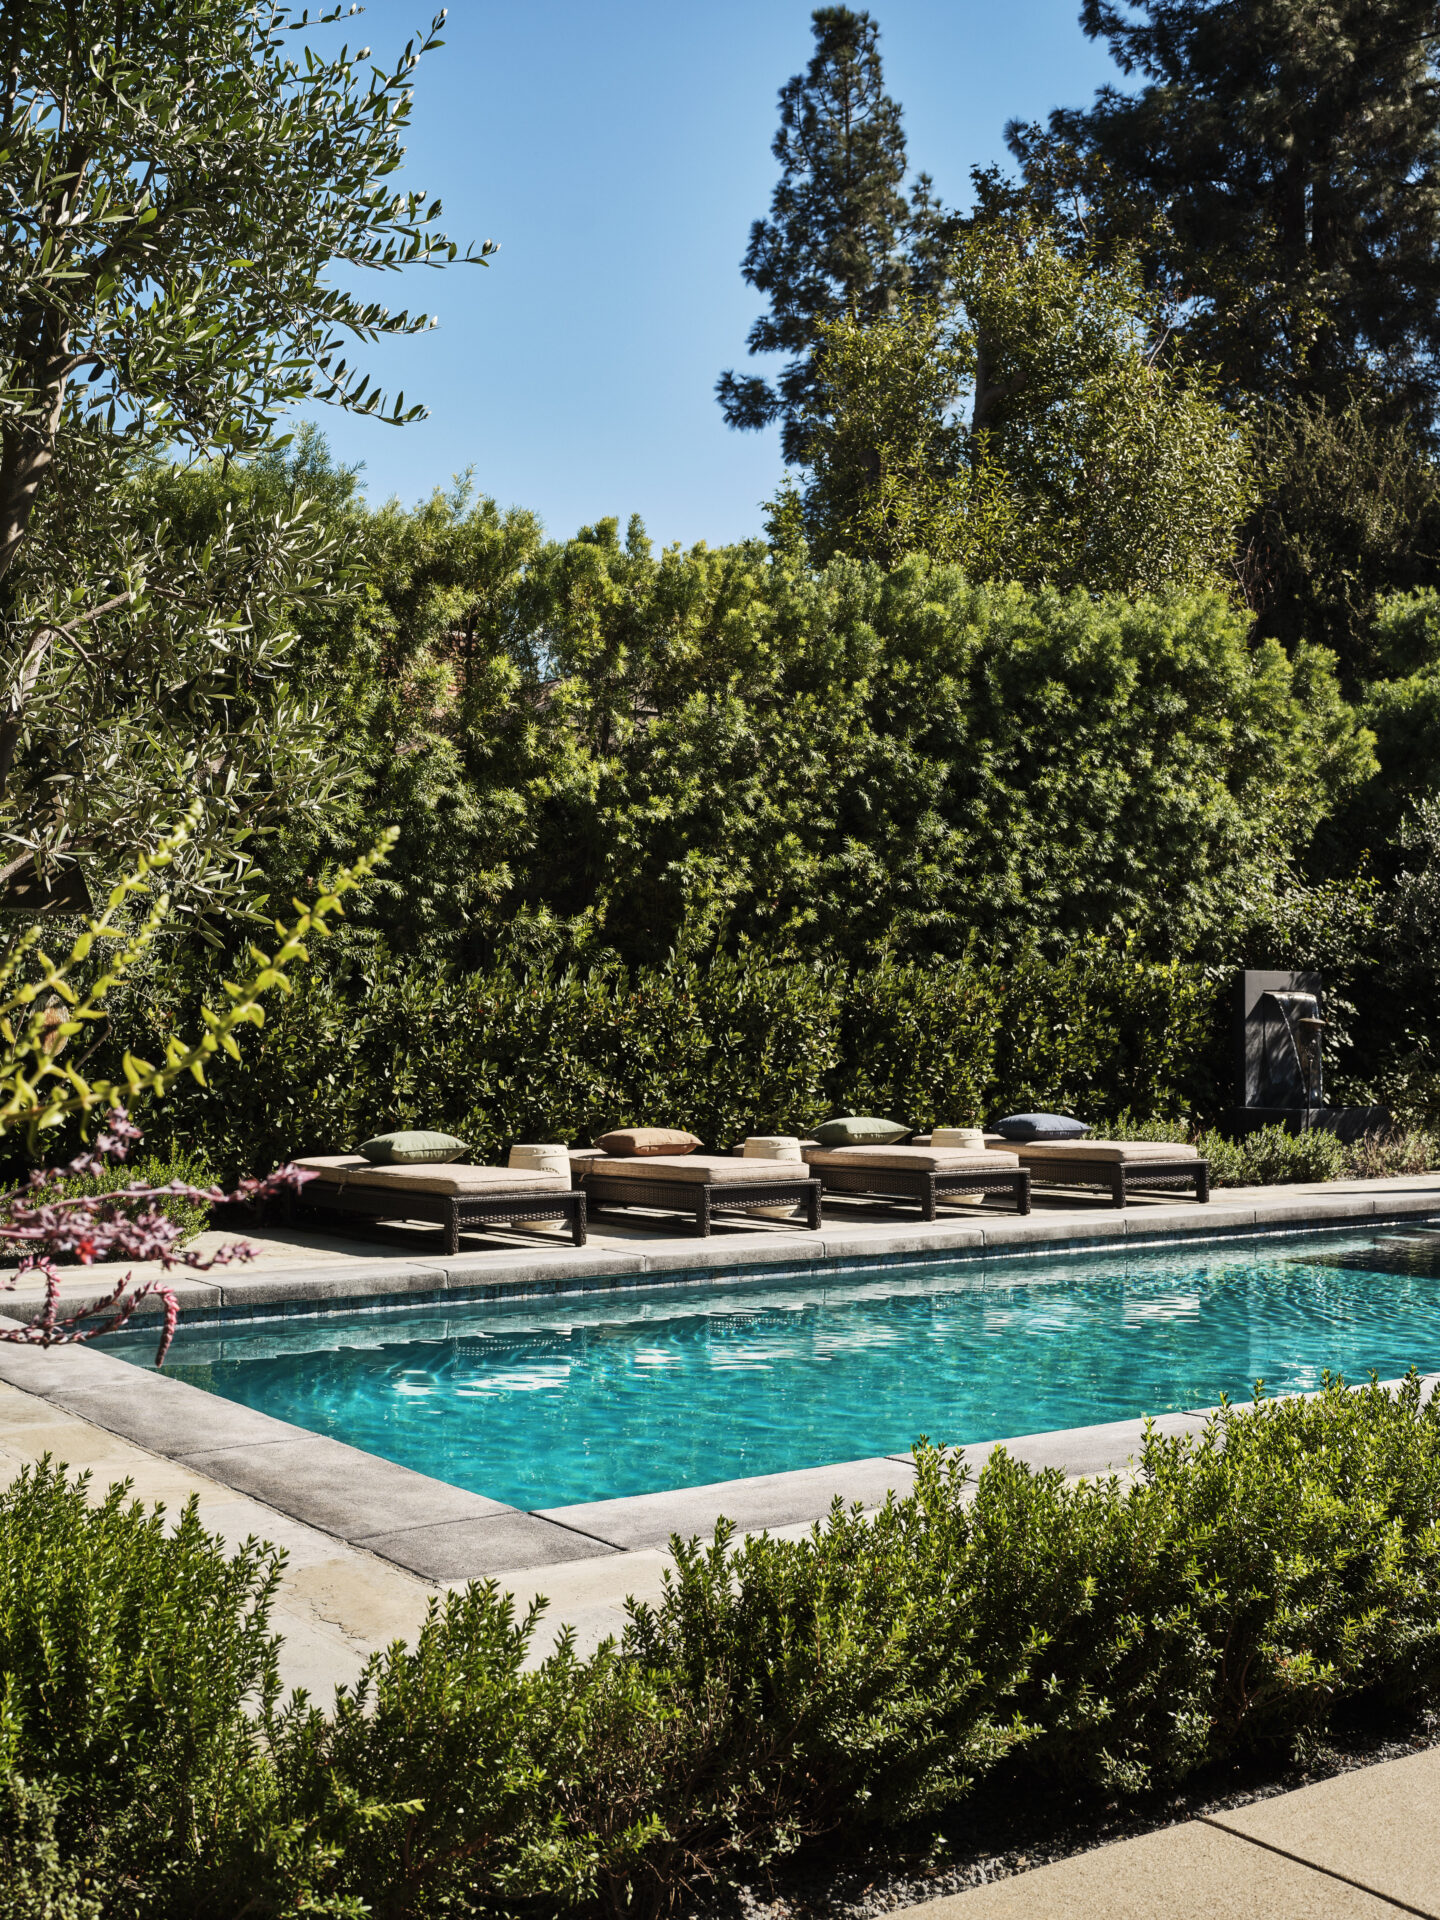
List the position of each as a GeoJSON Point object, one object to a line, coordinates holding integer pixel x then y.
{"type": "Point", "coordinates": [594, 1396]}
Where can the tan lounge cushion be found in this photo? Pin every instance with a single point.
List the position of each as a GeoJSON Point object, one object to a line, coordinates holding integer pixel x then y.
{"type": "Point", "coordinates": [1107, 1152]}
{"type": "Point", "coordinates": [921, 1159]}
{"type": "Point", "coordinates": [696, 1169]}
{"type": "Point", "coordinates": [350, 1170]}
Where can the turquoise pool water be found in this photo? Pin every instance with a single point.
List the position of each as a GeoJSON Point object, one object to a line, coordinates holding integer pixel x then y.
{"type": "Point", "coordinates": [542, 1404]}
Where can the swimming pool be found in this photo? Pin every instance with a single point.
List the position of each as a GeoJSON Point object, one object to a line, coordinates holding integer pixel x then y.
{"type": "Point", "coordinates": [545, 1404]}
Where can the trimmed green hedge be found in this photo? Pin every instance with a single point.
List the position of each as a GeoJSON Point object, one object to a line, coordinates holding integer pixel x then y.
{"type": "Point", "coordinates": [725, 1046]}
{"type": "Point", "coordinates": [1017, 1635]}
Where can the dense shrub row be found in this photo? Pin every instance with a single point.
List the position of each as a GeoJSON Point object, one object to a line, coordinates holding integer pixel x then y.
{"type": "Point", "coordinates": [1038, 1638]}
{"type": "Point", "coordinates": [725, 1047]}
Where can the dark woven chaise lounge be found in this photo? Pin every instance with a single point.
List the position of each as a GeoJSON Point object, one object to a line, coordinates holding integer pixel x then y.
{"type": "Point", "coordinates": [697, 1183]}
{"type": "Point", "coordinates": [458, 1197]}
{"type": "Point", "coordinates": [1120, 1167]}
{"type": "Point", "coordinates": [930, 1175]}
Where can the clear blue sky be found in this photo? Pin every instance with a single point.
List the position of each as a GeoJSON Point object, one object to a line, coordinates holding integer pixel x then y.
{"type": "Point", "coordinates": [619, 152]}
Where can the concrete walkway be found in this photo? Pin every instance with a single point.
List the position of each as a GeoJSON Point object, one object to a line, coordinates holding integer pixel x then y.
{"type": "Point", "coordinates": [1361, 1846]}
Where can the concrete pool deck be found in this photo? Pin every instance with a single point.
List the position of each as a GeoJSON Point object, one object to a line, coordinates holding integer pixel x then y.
{"type": "Point", "coordinates": [315, 1271]}
{"type": "Point", "coordinates": [1364, 1845]}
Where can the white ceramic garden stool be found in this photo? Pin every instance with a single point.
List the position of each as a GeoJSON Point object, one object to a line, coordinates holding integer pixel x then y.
{"type": "Point", "coordinates": [969, 1139]}
{"type": "Point", "coordinates": [774, 1146]}
{"type": "Point", "coordinates": [549, 1158]}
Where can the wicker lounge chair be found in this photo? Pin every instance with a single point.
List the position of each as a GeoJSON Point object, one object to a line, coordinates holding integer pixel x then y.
{"type": "Point", "coordinates": [1122, 1167]}
{"type": "Point", "coordinates": [458, 1197]}
{"type": "Point", "coordinates": [927, 1174]}
{"type": "Point", "coordinates": [695, 1183]}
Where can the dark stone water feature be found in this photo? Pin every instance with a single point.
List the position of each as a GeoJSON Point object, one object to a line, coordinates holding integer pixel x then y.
{"type": "Point", "coordinates": [1279, 1034]}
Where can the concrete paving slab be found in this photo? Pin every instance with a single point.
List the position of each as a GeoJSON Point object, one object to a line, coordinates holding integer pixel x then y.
{"type": "Point", "coordinates": [1316, 1209]}
{"type": "Point", "coordinates": [90, 1287]}
{"type": "Point", "coordinates": [779, 1248]}
{"type": "Point", "coordinates": [474, 1548]}
{"type": "Point", "coordinates": [368, 1601]}
{"type": "Point", "coordinates": [939, 1239]}
{"type": "Point", "coordinates": [1190, 1872]}
{"type": "Point", "coordinates": [1399, 1206]}
{"type": "Point", "coordinates": [338, 1488]}
{"type": "Point", "coordinates": [1085, 1451]}
{"type": "Point", "coordinates": [166, 1415]}
{"type": "Point", "coordinates": [1378, 1826]}
{"type": "Point", "coordinates": [315, 1658]}
{"type": "Point", "coordinates": [329, 1281]}
{"type": "Point", "coordinates": [26, 1412]}
{"type": "Point", "coordinates": [1188, 1222]}
{"type": "Point", "coordinates": [51, 1372]}
{"type": "Point", "coordinates": [81, 1448]}
{"type": "Point", "coordinates": [767, 1500]}
{"type": "Point", "coordinates": [607, 1580]}
{"type": "Point", "coordinates": [539, 1265]}
{"type": "Point", "coordinates": [1036, 1232]}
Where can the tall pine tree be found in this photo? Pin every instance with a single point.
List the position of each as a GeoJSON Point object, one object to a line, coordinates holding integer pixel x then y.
{"type": "Point", "coordinates": [1294, 148]}
{"type": "Point", "coordinates": [841, 241]}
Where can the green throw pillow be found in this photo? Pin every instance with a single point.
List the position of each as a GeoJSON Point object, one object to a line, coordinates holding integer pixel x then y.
{"type": "Point", "coordinates": [858, 1130]}
{"type": "Point", "coordinates": [410, 1149]}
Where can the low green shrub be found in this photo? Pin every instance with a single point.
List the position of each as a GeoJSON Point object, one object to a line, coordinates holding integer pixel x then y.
{"type": "Point", "coordinates": [36, 1881]}
{"type": "Point", "coordinates": [1271, 1156]}
{"type": "Point", "coordinates": [1376, 1156]}
{"type": "Point", "coordinates": [1015, 1633]}
{"type": "Point", "coordinates": [133, 1654]}
{"type": "Point", "coordinates": [151, 1170]}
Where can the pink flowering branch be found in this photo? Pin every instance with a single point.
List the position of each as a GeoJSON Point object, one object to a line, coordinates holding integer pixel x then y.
{"type": "Point", "coordinates": [122, 1224]}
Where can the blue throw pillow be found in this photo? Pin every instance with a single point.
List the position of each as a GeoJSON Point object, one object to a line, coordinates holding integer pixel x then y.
{"type": "Point", "coordinates": [1041, 1126]}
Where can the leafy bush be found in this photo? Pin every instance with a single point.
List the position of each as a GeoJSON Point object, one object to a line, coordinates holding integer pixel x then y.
{"type": "Point", "coordinates": [155, 1170]}
{"type": "Point", "coordinates": [1406, 1150]}
{"type": "Point", "coordinates": [36, 1882]}
{"type": "Point", "coordinates": [1018, 1633]}
{"type": "Point", "coordinates": [133, 1653]}
{"type": "Point", "coordinates": [1272, 1157]}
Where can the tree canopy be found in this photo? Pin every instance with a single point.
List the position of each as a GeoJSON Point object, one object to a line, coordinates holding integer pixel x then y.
{"type": "Point", "coordinates": [181, 181]}
{"type": "Point", "coordinates": [1027, 426]}
{"type": "Point", "coordinates": [1291, 151]}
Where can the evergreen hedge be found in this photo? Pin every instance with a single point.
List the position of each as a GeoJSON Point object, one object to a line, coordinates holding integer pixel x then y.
{"type": "Point", "coordinates": [1046, 1643]}
{"type": "Point", "coordinates": [725, 1046]}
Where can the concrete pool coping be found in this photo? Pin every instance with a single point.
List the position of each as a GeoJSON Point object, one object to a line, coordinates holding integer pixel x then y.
{"type": "Point", "coordinates": [444, 1533]}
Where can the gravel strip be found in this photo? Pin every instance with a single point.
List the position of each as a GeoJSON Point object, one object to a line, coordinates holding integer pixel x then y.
{"type": "Point", "coordinates": [882, 1880]}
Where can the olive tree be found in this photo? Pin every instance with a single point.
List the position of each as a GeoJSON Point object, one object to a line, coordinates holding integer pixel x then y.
{"type": "Point", "coordinates": [189, 190]}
